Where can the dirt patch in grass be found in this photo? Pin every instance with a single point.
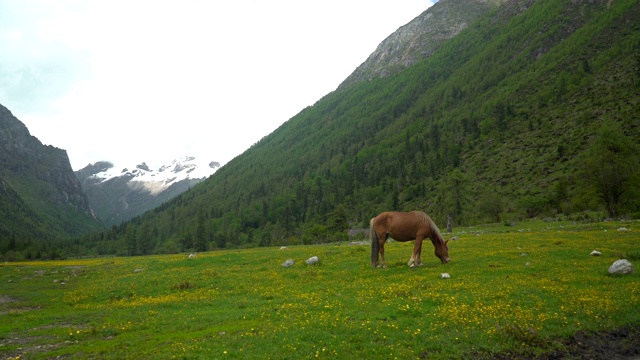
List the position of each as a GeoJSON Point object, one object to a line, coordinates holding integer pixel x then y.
{"type": "Point", "coordinates": [622, 343]}
{"type": "Point", "coordinates": [4, 299]}
{"type": "Point", "coordinates": [619, 344]}
{"type": "Point", "coordinates": [26, 347]}
{"type": "Point", "coordinates": [6, 305]}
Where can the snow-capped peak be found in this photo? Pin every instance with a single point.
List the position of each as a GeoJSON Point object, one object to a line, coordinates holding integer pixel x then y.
{"type": "Point", "coordinates": [156, 180]}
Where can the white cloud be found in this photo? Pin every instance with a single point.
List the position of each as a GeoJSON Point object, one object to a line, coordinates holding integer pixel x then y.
{"type": "Point", "coordinates": [156, 80]}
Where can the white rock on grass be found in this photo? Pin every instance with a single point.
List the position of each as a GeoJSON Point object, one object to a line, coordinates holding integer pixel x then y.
{"type": "Point", "coordinates": [621, 267]}
{"type": "Point", "coordinates": [445, 276]}
{"type": "Point", "coordinates": [356, 243]}
{"type": "Point", "coordinates": [288, 263]}
{"type": "Point", "coordinates": [312, 260]}
{"type": "Point", "coordinates": [595, 253]}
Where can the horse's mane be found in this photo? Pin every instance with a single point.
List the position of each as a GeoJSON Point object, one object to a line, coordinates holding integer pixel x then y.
{"type": "Point", "coordinates": [432, 225]}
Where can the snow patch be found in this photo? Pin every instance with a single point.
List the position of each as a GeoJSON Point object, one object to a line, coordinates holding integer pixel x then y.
{"type": "Point", "coordinates": [156, 181]}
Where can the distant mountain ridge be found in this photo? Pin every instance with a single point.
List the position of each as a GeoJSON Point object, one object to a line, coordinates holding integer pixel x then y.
{"type": "Point", "coordinates": [119, 193]}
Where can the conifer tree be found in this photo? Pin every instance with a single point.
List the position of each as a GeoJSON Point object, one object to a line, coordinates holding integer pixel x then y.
{"type": "Point", "coordinates": [613, 166]}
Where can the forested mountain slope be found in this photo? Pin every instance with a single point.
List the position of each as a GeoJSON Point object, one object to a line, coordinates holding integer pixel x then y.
{"type": "Point", "coordinates": [503, 122]}
{"type": "Point", "coordinates": [41, 201]}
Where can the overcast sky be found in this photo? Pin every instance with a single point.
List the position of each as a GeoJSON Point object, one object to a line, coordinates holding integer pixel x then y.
{"type": "Point", "coordinates": [151, 80]}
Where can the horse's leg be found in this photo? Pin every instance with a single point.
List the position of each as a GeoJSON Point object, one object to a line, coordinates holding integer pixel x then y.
{"type": "Point", "coordinates": [419, 256]}
{"type": "Point", "coordinates": [375, 250]}
{"type": "Point", "coordinates": [382, 241]}
{"type": "Point", "coordinates": [416, 252]}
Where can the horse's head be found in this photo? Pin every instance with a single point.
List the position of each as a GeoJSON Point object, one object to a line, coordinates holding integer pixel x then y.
{"type": "Point", "coordinates": [442, 251]}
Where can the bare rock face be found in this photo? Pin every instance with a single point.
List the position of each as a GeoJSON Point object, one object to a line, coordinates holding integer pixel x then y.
{"type": "Point", "coordinates": [421, 37]}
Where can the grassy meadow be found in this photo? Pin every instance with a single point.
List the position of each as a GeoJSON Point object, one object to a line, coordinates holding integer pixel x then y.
{"type": "Point", "coordinates": [512, 289]}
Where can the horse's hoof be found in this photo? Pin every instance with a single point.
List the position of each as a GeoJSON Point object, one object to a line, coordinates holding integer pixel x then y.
{"type": "Point", "coordinates": [412, 265]}
{"type": "Point", "coordinates": [384, 266]}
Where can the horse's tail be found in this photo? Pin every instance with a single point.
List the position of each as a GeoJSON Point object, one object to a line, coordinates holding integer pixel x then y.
{"type": "Point", "coordinates": [375, 243]}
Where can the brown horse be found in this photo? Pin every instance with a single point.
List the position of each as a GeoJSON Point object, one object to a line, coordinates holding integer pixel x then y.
{"type": "Point", "coordinates": [406, 226]}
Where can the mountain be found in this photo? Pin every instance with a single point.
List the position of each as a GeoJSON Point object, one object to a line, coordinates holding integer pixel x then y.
{"type": "Point", "coordinates": [117, 194]}
{"type": "Point", "coordinates": [40, 198]}
{"type": "Point", "coordinates": [507, 120]}
{"type": "Point", "coordinates": [421, 37]}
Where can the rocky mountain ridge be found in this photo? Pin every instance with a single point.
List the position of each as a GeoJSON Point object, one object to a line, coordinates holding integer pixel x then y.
{"type": "Point", "coordinates": [421, 37]}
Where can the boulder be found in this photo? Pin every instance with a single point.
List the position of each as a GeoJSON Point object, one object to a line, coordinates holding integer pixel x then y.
{"type": "Point", "coordinates": [288, 263]}
{"type": "Point", "coordinates": [621, 267]}
{"type": "Point", "coordinates": [595, 253]}
{"type": "Point", "coordinates": [445, 276]}
{"type": "Point", "coordinates": [312, 260]}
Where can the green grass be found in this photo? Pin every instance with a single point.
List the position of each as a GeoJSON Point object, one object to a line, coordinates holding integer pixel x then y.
{"type": "Point", "coordinates": [518, 288]}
